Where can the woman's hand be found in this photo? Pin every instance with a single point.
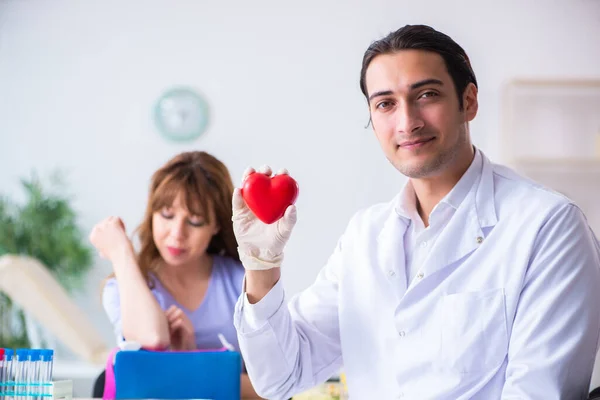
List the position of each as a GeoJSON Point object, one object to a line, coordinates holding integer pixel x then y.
{"type": "Point", "coordinates": [181, 329]}
{"type": "Point", "coordinates": [110, 239]}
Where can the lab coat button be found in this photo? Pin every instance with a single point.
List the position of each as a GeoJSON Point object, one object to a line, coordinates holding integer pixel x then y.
{"type": "Point", "coordinates": [391, 273]}
{"type": "Point", "coordinates": [420, 275]}
{"type": "Point", "coordinates": [401, 333]}
{"type": "Point", "coordinates": [479, 239]}
{"type": "Point", "coordinates": [423, 244]}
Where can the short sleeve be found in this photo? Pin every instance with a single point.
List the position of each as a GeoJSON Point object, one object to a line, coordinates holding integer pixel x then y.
{"type": "Point", "coordinates": [112, 306]}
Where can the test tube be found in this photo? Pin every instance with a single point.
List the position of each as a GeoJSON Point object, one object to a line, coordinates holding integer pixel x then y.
{"type": "Point", "coordinates": [1, 374]}
{"type": "Point", "coordinates": [33, 375]}
{"type": "Point", "coordinates": [8, 373]}
{"type": "Point", "coordinates": [45, 371]}
{"type": "Point", "coordinates": [21, 368]}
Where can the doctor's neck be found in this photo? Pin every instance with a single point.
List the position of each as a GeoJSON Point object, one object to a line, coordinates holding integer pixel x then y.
{"type": "Point", "coordinates": [432, 189]}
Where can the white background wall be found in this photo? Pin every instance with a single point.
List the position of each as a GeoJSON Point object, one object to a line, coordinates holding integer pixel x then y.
{"type": "Point", "coordinates": [78, 80]}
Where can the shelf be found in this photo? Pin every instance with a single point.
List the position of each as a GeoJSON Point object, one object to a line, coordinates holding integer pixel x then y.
{"type": "Point", "coordinates": [551, 119]}
{"type": "Point", "coordinates": [551, 134]}
{"type": "Point", "coordinates": [581, 165]}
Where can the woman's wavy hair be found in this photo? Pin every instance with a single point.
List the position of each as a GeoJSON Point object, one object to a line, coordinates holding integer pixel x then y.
{"type": "Point", "coordinates": [205, 185]}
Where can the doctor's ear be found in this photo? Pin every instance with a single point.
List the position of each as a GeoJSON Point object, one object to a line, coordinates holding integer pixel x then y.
{"type": "Point", "coordinates": [470, 102]}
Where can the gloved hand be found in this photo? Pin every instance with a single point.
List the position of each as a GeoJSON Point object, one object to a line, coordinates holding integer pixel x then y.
{"type": "Point", "coordinates": [260, 245]}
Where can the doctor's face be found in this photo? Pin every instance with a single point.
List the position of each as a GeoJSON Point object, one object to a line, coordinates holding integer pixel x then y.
{"type": "Point", "coordinates": [416, 114]}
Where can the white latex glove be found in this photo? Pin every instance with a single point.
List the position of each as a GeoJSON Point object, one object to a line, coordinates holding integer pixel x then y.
{"type": "Point", "coordinates": [260, 245]}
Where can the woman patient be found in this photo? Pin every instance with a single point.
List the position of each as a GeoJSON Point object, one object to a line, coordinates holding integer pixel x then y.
{"type": "Point", "coordinates": [179, 291]}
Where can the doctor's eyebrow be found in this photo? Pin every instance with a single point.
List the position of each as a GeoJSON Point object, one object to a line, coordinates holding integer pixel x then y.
{"type": "Point", "coordinates": [413, 86]}
{"type": "Point", "coordinates": [380, 93]}
{"type": "Point", "coordinates": [426, 82]}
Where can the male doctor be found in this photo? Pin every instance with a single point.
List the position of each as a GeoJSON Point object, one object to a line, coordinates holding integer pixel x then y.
{"type": "Point", "coordinates": [472, 283]}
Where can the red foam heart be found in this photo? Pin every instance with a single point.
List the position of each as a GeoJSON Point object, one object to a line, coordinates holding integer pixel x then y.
{"type": "Point", "coordinates": [269, 197]}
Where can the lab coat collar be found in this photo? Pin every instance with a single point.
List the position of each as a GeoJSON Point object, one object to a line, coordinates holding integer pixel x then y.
{"type": "Point", "coordinates": [390, 255]}
{"type": "Point", "coordinates": [485, 198]}
{"type": "Point", "coordinates": [465, 230]}
{"type": "Point", "coordinates": [484, 194]}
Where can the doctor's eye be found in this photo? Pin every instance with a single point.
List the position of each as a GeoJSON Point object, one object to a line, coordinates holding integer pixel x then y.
{"type": "Point", "coordinates": [384, 105]}
{"type": "Point", "coordinates": [428, 94]}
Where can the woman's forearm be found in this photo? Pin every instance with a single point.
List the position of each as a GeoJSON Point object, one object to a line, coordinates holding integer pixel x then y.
{"type": "Point", "coordinates": [142, 318]}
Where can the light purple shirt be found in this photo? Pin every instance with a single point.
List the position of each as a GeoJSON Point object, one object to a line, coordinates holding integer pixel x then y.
{"type": "Point", "coordinates": [213, 316]}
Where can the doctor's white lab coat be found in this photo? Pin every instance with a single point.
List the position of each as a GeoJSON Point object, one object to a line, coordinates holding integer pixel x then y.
{"type": "Point", "coordinates": [507, 305]}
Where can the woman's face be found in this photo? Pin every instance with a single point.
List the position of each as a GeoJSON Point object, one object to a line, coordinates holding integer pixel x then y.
{"type": "Point", "coordinates": [182, 238]}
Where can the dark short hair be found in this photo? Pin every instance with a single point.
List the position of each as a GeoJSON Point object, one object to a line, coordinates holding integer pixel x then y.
{"type": "Point", "coordinates": [423, 37]}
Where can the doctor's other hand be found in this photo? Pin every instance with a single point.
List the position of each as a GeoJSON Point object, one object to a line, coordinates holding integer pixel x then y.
{"type": "Point", "coordinates": [110, 239]}
{"type": "Point", "coordinates": [260, 245]}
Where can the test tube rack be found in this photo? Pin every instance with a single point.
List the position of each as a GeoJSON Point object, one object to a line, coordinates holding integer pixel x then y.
{"type": "Point", "coordinates": [61, 390]}
{"type": "Point", "coordinates": [56, 390]}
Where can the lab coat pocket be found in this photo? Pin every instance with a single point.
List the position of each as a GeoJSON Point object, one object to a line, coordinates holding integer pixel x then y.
{"type": "Point", "coordinates": [474, 333]}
